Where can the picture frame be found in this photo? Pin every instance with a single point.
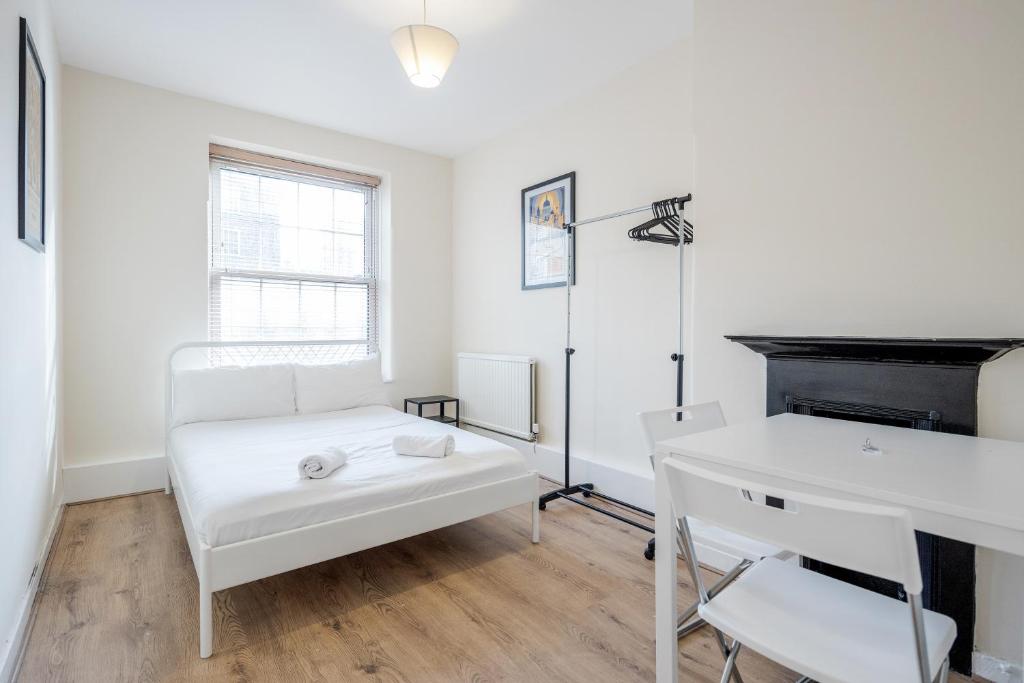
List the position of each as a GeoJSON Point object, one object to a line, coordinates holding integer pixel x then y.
{"type": "Point", "coordinates": [31, 143]}
{"type": "Point", "coordinates": [545, 207]}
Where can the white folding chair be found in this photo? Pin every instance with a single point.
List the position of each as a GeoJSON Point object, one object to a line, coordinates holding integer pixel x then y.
{"type": "Point", "coordinates": [826, 630]}
{"type": "Point", "coordinates": [658, 425]}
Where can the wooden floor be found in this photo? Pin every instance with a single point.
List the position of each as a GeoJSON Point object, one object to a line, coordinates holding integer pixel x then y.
{"type": "Point", "coordinates": [474, 602]}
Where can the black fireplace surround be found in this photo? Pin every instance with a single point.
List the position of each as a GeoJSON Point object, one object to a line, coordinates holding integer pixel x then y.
{"type": "Point", "coordinates": [915, 383]}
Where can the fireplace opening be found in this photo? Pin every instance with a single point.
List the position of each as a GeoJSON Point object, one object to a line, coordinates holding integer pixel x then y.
{"type": "Point", "coordinates": [929, 420]}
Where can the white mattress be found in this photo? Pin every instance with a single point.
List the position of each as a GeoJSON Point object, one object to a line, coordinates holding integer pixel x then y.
{"type": "Point", "coordinates": [241, 481]}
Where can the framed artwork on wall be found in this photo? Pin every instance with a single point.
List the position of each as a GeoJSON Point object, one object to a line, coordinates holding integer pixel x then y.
{"type": "Point", "coordinates": [31, 144]}
{"type": "Point", "coordinates": [546, 207]}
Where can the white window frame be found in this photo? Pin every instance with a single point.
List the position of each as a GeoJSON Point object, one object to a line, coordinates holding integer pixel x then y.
{"type": "Point", "coordinates": [371, 237]}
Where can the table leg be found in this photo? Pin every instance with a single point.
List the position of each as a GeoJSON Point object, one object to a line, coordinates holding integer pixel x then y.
{"type": "Point", "coordinates": [666, 645]}
{"type": "Point", "coordinates": [458, 419]}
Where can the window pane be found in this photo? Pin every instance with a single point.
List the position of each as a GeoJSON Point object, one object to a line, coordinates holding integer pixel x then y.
{"type": "Point", "coordinates": [239, 218]}
{"type": "Point", "coordinates": [349, 254]}
{"type": "Point", "coordinates": [239, 308]}
{"type": "Point", "coordinates": [316, 206]}
{"type": "Point", "coordinates": [254, 308]}
{"type": "Point", "coordinates": [280, 249]}
{"type": "Point", "coordinates": [316, 251]}
{"type": "Point", "coordinates": [349, 211]}
{"type": "Point", "coordinates": [279, 201]}
{"type": "Point", "coordinates": [351, 312]}
{"type": "Point", "coordinates": [239, 195]}
{"type": "Point", "coordinates": [279, 310]}
{"type": "Point", "coordinates": [318, 321]}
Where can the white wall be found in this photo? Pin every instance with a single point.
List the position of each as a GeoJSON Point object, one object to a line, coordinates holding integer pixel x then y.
{"type": "Point", "coordinates": [859, 171]}
{"type": "Point", "coordinates": [30, 488]}
{"type": "Point", "coordinates": [135, 267]}
{"type": "Point", "coordinates": [630, 143]}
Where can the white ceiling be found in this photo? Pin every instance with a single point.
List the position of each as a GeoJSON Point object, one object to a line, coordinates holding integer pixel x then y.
{"type": "Point", "coordinates": [329, 62]}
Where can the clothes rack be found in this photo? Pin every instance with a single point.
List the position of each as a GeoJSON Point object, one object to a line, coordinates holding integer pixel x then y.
{"type": "Point", "coordinates": [668, 214]}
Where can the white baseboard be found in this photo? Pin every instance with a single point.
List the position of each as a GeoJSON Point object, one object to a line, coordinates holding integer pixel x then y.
{"type": "Point", "coordinates": [629, 486]}
{"type": "Point", "coordinates": [996, 670]}
{"type": "Point", "coordinates": [108, 479]}
{"type": "Point", "coordinates": [13, 647]}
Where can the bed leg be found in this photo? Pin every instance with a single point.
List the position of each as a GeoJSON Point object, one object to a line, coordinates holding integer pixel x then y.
{"type": "Point", "coordinates": [168, 486]}
{"type": "Point", "coordinates": [536, 518]}
{"type": "Point", "coordinates": [205, 606]}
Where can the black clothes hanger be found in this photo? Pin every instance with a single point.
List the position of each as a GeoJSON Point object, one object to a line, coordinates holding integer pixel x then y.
{"type": "Point", "coordinates": [666, 217]}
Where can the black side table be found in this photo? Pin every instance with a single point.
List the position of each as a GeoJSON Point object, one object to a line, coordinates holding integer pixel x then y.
{"type": "Point", "coordinates": [440, 400]}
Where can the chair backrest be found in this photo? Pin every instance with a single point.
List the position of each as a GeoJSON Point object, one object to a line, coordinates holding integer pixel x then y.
{"type": "Point", "coordinates": [658, 425]}
{"type": "Point", "coordinates": [864, 537]}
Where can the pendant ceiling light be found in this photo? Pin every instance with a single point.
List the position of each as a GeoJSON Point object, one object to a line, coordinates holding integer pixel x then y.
{"type": "Point", "coordinates": [425, 51]}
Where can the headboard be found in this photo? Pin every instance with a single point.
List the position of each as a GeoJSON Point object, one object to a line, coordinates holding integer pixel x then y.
{"type": "Point", "coordinates": [212, 354]}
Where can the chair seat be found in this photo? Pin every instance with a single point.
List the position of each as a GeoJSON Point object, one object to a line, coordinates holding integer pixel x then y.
{"type": "Point", "coordinates": [825, 629]}
{"type": "Point", "coordinates": [731, 543]}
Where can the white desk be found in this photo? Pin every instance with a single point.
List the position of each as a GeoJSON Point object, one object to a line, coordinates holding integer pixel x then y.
{"type": "Point", "coordinates": [960, 487]}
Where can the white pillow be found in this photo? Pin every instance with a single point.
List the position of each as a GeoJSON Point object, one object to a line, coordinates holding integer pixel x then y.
{"type": "Point", "coordinates": [323, 388]}
{"type": "Point", "coordinates": [233, 393]}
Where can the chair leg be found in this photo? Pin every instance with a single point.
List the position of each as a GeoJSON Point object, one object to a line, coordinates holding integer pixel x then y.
{"type": "Point", "coordinates": [944, 672]}
{"type": "Point", "coordinates": [686, 629]}
{"type": "Point", "coordinates": [682, 628]}
{"type": "Point", "coordinates": [687, 614]}
{"type": "Point", "coordinates": [726, 652]}
{"type": "Point", "coordinates": [730, 662]}
{"type": "Point", "coordinates": [691, 565]}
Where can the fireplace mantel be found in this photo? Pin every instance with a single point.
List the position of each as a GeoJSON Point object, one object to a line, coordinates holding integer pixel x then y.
{"type": "Point", "coordinates": [904, 350]}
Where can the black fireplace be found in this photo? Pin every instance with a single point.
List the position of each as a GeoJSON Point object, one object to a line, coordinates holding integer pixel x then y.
{"type": "Point", "coordinates": [915, 383]}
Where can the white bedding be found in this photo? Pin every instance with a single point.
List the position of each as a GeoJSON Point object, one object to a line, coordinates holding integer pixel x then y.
{"type": "Point", "coordinates": [240, 481]}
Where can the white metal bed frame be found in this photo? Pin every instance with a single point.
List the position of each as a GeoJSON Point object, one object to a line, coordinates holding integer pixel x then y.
{"type": "Point", "coordinates": [249, 560]}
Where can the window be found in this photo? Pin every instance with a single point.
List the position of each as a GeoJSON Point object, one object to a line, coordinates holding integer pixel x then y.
{"type": "Point", "coordinates": [293, 250]}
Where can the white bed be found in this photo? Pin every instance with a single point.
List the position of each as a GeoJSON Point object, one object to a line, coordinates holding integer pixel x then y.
{"type": "Point", "coordinates": [247, 515]}
{"type": "Point", "coordinates": [240, 479]}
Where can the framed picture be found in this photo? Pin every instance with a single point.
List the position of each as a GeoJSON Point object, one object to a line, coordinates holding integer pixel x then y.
{"type": "Point", "coordinates": [546, 207]}
{"type": "Point", "coordinates": [31, 144]}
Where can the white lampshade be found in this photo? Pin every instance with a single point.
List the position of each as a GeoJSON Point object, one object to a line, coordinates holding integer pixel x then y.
{"type": "Point", "coordinates": [425, 51]}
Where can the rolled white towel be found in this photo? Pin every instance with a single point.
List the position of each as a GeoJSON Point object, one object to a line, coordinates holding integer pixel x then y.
{"type": "Point", "coordinates": [423, 445]}
{"type": "Point", "coordinates": [320, 464]}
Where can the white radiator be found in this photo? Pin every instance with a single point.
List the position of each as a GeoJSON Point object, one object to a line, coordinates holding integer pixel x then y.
{"type": "Point", "coordinates": [497, 393]}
